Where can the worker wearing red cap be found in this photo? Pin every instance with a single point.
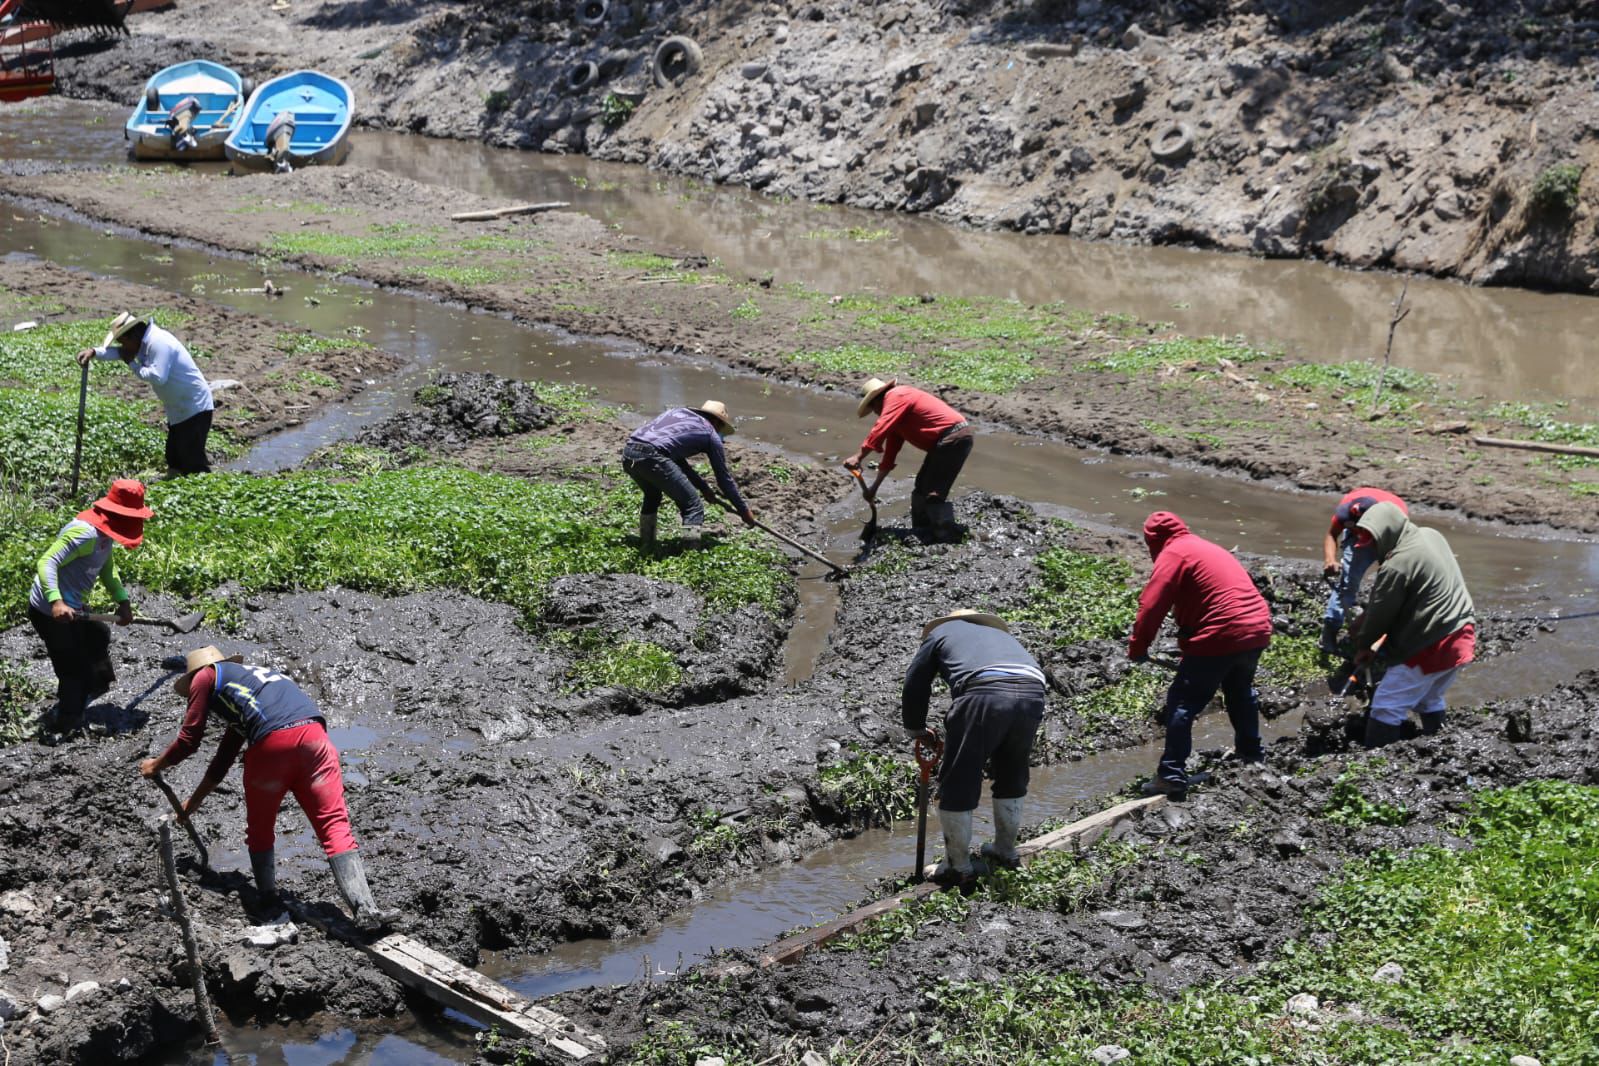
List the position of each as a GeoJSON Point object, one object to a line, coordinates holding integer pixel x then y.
{"type": "Point", "coordinates": [1223, 625]}
{"type": "Point", "coordinates": [80, 556]}
{"type": "Point", "coordinates": [1345, 559]}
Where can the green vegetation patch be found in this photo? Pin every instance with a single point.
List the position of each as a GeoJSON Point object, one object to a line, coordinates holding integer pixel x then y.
{"type": "Point", "coordinates": [1349, 805]}
{"type": "Point", "coordinates": [635, 664]}
{"type": "Point", "coordinates": [1079, 596]}
{"type": "Point", "coordinates": [495, 537]}
{"type": "Point", "coordinates": [38, 430]}
{"type": "Point", "coordinates": [878, 789]}
{"type": "Point", "coordinates": [1135, 697]}
{"type": "Point", "coordinates": [1539, 418]}
{"type": "Point", "coordinates": [465, 275]}
{"type": "Point", "coordinates": [1357, 381]}
{"type": "Point", "coordinates": [19, 694]}
{"type": "Point", "coordinates": [980, 369]}
{"type": "Point", "coordinates": [43, 357]}
{"type": "Point", "coordinates": [304, 344]}
{"type": "Point", "coordinates": [1554, 191]}
{"type": "Point", "coordinates": [1177, 352]}
{"type": "Point", "coordinates": [855, 359]}
{"type": "Point", "coordinates": [1496, 943]}
{"type": "Point", "coordinates": [381, 241]}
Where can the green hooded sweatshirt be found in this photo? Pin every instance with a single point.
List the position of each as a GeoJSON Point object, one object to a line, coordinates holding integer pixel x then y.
{"type": "Point", "coordinates": [1418, 597]}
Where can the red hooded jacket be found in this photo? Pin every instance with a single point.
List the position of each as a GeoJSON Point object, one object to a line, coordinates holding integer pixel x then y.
{"type": "Point", "coordinates": [1218, 609]}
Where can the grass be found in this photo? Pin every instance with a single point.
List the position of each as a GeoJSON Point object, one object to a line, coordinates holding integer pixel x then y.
{"type": "Point", "coordinates": [495, 537]}
{"type": "Point", "coordinates": [43, 357]}
{"type": "Point", "coordinates": [19, 694]}
{"type": "Point", "coordinates": [381, 241]}
{"type": "Point", "coordinates": [38, 430]}
{"type": "Point", "coordinates": [747, 311]}
{"type": "Point", "coordinates": [1349, 805]}
{"type": "Point", "coordinates": [1179, 351]}
{"type": "Point", "coordinates": [981, 369]}
{"type": "Point", "coordinates": [855, 359]}
{"type": "Point", "coordinates": [1539, 418]}
{"type": "Point", "coordinates": [877, 789]}
{"type": "Point", "coordinates": [304, 344]}
{"type": "Point", "coordinates": [648, 262]}
{"type": "Point", "coordinates": [1496, 944]}
{"type": "Point", "coordinates": [465, 275]}
{"type": "Point", "coordinates": [1079, 596]}
{"type": "Point", "coordinates": [635, 664]}
{"type": "Point", "coordinates": [1357, 381]}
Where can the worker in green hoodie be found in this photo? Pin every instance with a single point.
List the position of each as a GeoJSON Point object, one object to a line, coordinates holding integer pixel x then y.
{"type": "Point", "coordinates": [1421, 613]}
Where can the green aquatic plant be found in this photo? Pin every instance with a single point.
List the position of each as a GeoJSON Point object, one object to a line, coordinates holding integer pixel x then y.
{"type": "Point", "coordinates": [20, 694]}
{"type": "Point", "coordinates": [1349, 805]}
{"type": "Point", "coordinates": [300, 344]}
{"type": "Point", "coordinates": [43, 357]}
{"type": "Point", "coordinates": [854, 359]}
{"type": "Point", "coordinates": [875, 788]}
{"type": "Point", "coordinates": [635, 664]}
{"type": "Point", "coordinates": [38, 432]}
{"type": "Point", "coordinates": [1079, 596]}
{"type": "Point", "coordinates": [1204, 352]}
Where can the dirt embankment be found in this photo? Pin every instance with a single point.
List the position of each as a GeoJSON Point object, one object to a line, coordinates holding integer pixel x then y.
{"type": "Point", "coordinates": [1445, 137]}
{"type": "Point", "coordinates": [1046, 370]}
{"type": "Point", "coordinates": [1220, 884]}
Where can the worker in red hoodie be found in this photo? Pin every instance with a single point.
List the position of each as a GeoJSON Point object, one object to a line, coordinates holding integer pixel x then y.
{"type": "Point", "coordinates": [1223, 624]}
{"type": "Point", "coordinates": [909, 415]}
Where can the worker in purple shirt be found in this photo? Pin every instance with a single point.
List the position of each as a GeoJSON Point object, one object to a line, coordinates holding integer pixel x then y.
{"type": "Point", "coordinates": [656, 457]}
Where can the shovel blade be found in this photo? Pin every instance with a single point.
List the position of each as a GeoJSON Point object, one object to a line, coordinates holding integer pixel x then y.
{"type": "Point", "coordinates": [188, 623]}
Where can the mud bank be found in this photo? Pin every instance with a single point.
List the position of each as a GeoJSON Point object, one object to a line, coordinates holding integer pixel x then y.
{"type": "Point", "coordinates": [1438, 137]}
{"type": "Point", "coordinates": [1199, 895]}
{"type": "Point", "coordinates": [1091, 380]}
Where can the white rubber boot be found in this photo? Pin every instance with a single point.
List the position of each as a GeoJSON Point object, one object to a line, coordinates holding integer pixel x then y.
{"type": "Point", "coordinates": [1007, 823]}
{"type": "Point", "coordinates": [956, 866]}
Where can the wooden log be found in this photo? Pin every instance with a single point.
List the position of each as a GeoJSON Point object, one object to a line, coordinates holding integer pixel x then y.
{"type": "Point", "coordinates": [1536, 446]}
{"type": "Point", "coordinates": [191, 947]}
{"type": "Point", "coordinates": [1079, 834]}
{"type": "Point", "coordinates": [461, 988]}
{"type": "Point", "coordinates": [502, 212]}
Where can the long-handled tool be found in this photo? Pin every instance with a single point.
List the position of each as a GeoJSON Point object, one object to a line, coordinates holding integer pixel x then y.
{"type": "Point", "coordinates": [186, 624]}
{"type": "Point", "coordinates": [184, 820]}
{"type": "Point", "coordinates": [790, 541]}
{"type": "Point", "coordinates": [77, 451]}
{"type": "Point", "coordinates": [927, 755]}
{"type": "Point", "coordinates": [871, 527]}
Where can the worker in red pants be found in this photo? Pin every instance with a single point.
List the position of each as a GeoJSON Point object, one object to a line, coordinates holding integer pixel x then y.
{"type": "Point", "coordinates": [288, 751]}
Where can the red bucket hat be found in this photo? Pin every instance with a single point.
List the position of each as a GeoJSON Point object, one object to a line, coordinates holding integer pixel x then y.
{"type": "Point", "coordinates": [120, 513]}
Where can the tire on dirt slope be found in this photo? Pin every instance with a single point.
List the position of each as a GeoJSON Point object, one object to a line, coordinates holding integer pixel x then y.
{"type": "Point", "coordinates": [676, 59]}
{"type": "Point", "coordinates": [591, 13]}
{"type": "Point", "coordinates": [583, 76]}
{"type": "Point", "coordinates": [1172, 142]}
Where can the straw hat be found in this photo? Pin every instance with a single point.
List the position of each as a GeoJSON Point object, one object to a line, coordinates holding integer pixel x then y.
{"type": "Point", "coordinates": [198, 660]}
{"type": "Point", "coordinates": [120, 513]}
{"type": "Point", "coordinates": [964, 614]}
{"type": "Point", "coordinates": [874, 388]}
{"type": "Point", "coordinates": [119, 326]}
{"type": "Point", "coordinates": [716, 411]}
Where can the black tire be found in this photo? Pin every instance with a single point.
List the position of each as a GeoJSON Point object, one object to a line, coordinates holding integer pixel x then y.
{"type": "Point", "coordinates": [1172, 142]}
{"type": "Point", "coordinates": [676, 60]}
{"type": "Point", "coordinates": [582, 77]}
{"type": "Point", "coordinates": [246, 90]}
{"type": "Point", "coordinates": [152, 100]}
{"type": "Point", "coordinates": [591, 13]}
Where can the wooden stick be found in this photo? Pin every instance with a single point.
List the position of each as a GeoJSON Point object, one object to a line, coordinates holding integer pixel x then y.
{"type": "Point", "coordinates": [191, 946]}
{"type": "Point", "coordinates": [1536, 446]}
{"type": "Point", "coordinates": [797, 546]}
{"type": "Point", "coordinates": [1400, 312]}
{"type": "Point", "coordinates": [501, 212]}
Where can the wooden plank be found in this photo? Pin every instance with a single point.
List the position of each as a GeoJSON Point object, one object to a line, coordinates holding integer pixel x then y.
{"type": "Point", "coordinates": [1079, 833]}
{"type": "Point", "coordinates": [1536, 446]}
{"type": "Point", "coordinates": [501, 212]}
{"type": "Point", "coordinates": [461, 988]}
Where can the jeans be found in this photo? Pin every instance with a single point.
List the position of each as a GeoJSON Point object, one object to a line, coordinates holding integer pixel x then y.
{"type": "Point", "coordinates": [1356, 561]}
{"type": "Point", "coordinates": [943, 465]}
{"type": "Point", "coordinates": [1198, 678]}
{"type": "Point", "coordinates": [658, 474]}
{"type": "Point", "coordinates": [990, 725]}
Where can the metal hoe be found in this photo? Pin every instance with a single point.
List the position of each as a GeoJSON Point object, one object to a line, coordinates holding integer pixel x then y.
{"type": "Point", "coordinates": [790, 541]}
{"type": "Point", "coordinates": [871, 527]}
{"type": "Point", "coordinates": [183, 820]}
{"type": "Point", "coordinates": [926, 759]}
{"type": "Point", "coordinates": [186, 624]}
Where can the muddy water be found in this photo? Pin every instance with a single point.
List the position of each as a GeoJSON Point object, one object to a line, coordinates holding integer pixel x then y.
{"type": "Point", "coordinates": [1541, 577]}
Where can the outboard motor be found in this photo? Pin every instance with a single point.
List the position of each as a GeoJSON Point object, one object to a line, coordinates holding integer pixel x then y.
{"type": "Point", "coordinates": [180, 123]}
{"type": "Point", "coordinates": [278, 137]}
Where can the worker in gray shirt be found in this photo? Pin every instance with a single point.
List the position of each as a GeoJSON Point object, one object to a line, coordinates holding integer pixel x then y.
{"type": "Point", "coordinates": [997, 692]}
{"type": "Point", "coordinates": [161, 360]}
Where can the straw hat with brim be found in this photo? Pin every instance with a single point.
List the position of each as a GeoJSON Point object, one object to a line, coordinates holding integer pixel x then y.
{"type": "Point", "coordinates": [119, 326]}
{"type": "Point", "coordinates": [981, 618]}
{"type": "Point", "coordinates": [874, 388]}
{"type": "Point", "coordinates": [198, 660]}
{"type": "Point", "coordinates": [716, 411]}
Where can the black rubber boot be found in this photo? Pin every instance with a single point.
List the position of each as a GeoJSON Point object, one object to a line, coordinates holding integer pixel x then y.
{"type": "Point", "coordinates": [1329, 636]}
{"type": "Point", "coordinates": [1381, 734]}
{"type": "Point", "coordinates": [920, 519]}
{"type": "Point", "coordinates": [1431, 723]}
{"type": "Point", "coordinates": [350, 876]}
{"type": "Point", "coordinates": [72, 699]}
{"type": "Point", "coordinates": [265, 867]}
{"type": "Point", "coordinates": [646, 532]}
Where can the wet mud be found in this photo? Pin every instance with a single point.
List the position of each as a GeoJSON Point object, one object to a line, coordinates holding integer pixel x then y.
{"type": "Point", "coordinates": [570, 271]}
{"type": "Point", "coordinates": [1222, 882]}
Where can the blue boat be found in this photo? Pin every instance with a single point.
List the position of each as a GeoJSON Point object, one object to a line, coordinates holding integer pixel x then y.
{"type": "Point", "coordinates": [187, 112]}
{"type": "Point", "coordinates": [292, 121]}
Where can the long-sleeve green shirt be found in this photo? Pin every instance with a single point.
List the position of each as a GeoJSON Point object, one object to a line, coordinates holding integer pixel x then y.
{"type": "Point", "coordinates": [80, 556]}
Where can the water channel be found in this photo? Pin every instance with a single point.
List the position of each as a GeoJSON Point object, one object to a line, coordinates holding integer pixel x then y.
{"type": "Point", "coordinates": [1508, 569]}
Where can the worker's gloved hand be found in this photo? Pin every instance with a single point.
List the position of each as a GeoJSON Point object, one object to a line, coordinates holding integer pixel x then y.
{"type": "Point", "coordinates": [1331, 570]}
{"type": "Point", "coordinates": [60, 612]}
{"type": "Point", "coordinates": [748, 516]}
{"type": "Point", "coordinates": [85, 357]}
{"type": "Point", "coordinates": [124, 613]}
{"type": "Point", "coordinates": [149, 767]}
{"type": "Point", "coordinates": [927, 736]}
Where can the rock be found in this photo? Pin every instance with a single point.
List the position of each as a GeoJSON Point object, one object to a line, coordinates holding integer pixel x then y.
{"type": "Point", "coordinates": [81, 989]}
{"type": "Point", "coordinates": [279, 930]}
{"type": "Point", "coordinates": [9, 1006]}
{"type": "Point", "coordinates": [711, 1060]}
{"type": "Point", "coordinates": [1303, 1003]}
{"type": "Point", "coordinates": [1125, 920]}
{"type": "Point", "coordinates": [1518, 726]}
{"type": "Point", "coordinates": [1524, 1060]}
{"type": "Point", "coordinates": [752, 71]}
{"type": "Point", "coordinates": [242, 966]}
{"type": "Point", "coordinates": [665, 850]}
{"type": "Point", "coordinates": [813, 1058]}
{"type": "Point", "coordinates": [5, 954]}
{"type": "Point", "coordinates": [1449, 427]}
{"type": "Point", "coordinates": [49, 1004]}
{"type": "Point", "coordinates": [1389, 973]}
{"type": "Point", "coordinates": [1107, 1053]}
{"type": "Point", "coordinates": [1132, 95]}
{"type": "Point", "coordinates": [17, 904]}
{"type": "Point", "coordinates": [1288, 843]}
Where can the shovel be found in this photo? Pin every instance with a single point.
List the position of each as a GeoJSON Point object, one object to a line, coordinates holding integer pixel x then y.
{"type": "Point", "coordinates": [926, 758]}
{"type": "Point", "coordinates": [186, 624]}
{"type": "Point", "coordinates": [871, 527]}
{"type": "Point", "coordinates": [838, 571]}
{"type": "Point", "coordinates": [183, 820]}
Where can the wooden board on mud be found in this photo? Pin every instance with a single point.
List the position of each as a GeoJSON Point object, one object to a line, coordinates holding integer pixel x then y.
{"type": "Point", "coordinates": [461, 988]}
{"type": "Point", "coordinates": [1079, 834]}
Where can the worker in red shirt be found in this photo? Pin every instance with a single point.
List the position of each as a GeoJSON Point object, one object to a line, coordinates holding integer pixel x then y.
{"type": "Point", "coordinates": [1223, 625]}
{"type": "Point", "coordinates": [1346, 559]}
{"type": "Point", "coordinates": [909, 415]}
{"type": "Point", "coordinates": [288, 751]}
